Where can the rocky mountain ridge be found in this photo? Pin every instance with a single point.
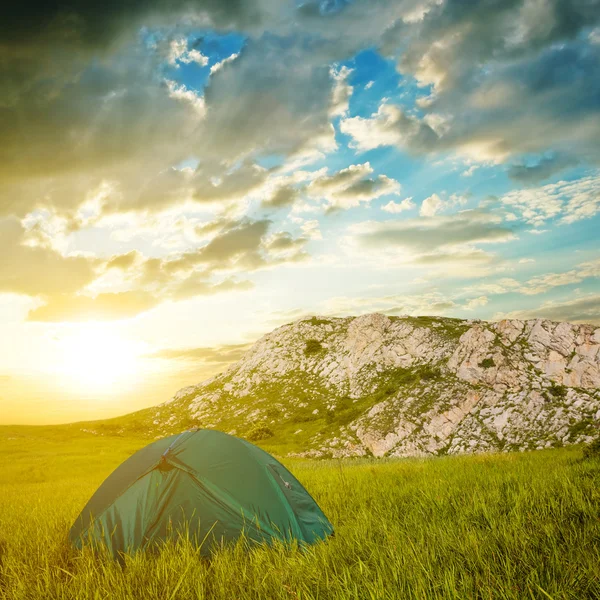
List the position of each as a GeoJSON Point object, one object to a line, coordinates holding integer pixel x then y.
{"type": "Point", "coordinates": [402, 386]}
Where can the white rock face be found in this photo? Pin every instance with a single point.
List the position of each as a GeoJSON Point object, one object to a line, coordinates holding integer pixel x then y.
{"type": "Point", "coordinates": [410, 385]}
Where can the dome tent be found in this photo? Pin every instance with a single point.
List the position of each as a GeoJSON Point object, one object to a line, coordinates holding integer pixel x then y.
{"type": "Point", "coordinates": [208, 483]}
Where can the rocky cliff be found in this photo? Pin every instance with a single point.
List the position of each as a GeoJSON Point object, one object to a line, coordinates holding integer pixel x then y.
{"type": "Point", "coordinates": [403, 386]}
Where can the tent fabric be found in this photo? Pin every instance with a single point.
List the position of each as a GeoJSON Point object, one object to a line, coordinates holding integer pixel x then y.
{"type": "Point", "coordinates": [206, 484]}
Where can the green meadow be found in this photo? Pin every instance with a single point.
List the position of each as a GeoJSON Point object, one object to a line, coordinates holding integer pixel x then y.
{"type": "Point", "coordinates": [514, 526]}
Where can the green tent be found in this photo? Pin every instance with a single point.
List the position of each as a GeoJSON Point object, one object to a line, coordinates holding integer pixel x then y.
{"type": "Point", "coordinates": [209, 484]}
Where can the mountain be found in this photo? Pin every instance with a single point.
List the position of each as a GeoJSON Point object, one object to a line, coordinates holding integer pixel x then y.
{"type": "Point", "coordinates": [400, 386]}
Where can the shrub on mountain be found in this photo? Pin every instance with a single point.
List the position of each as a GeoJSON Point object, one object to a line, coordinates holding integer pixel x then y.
{"type": "Point", "coordinates": [592, 450]}
{"type": "Point", "coordinates": [312, 347]}
{"type": "Point", "coordinates": [259, 432]}
{"type": "Point", "coordinates": [558, 391]}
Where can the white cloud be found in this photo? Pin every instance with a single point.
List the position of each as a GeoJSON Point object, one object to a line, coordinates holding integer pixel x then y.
{"type": "Point", "coordinates": [310, 230]}
{"type": "Point", "coordinates": [182, 93]}
{"type": "Point", "coordinates": [196, 57]}
{"type": "Point", "coordinates": [469, 172]}
{"type": "Point", "coordinates": [567, 201]}
{"type": "Point", "coordinates": [476, 303]}
{"type": "Point", "coordinates": [341, 92]}
{"type": "Point", "coordinates": [434, 204]}
{"type": "Point", "coordinates": [431, 206]}
{"type": "Point", "coordinates": [218, 66]}
{"type": "Point", "coordinates": [398, 207]}
{"type": "Point", "coordinates": [543, 283]}
{"type": "Point", "coordinates": [178, 52]}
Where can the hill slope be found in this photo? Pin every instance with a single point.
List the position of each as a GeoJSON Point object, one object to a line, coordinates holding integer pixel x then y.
{"type": "Point", "coordinates": [400, 386]}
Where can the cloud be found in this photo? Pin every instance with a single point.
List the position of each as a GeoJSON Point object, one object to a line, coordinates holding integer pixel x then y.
{"type": "Point", "coordinates": [234, 247]}
{"type": "Point", "coordinates": [225, 354]}
{"type": "Point", "coordinates": [390, 126]}
{"type": "Point", "coordinates": [37, 270]}
{"type": "Point", "coordinates": [430, 206]}
{"type": "Point", "coordinates": [310, 230]}
{"type": "Point", "coordinates": [529, 174]}
{"type": "Point", "coordinates": [476, 303]}
{"type": "Point", "coordinates": [539, 284]}
{"type": "Point", "coordinates": [103, 307]}
{"type": "Point", "coordinates": [566, 201]}
{"type": "Point", "coordinates": [514, 76]}
{"type": "Point", "coordinates": [74, 33]}
{"type": "Point", "coordinates": [111, 129]}
{"type": "Point", "coordinates": [585, 309]}
{"type": "Point", "coordinates": [182, 93]}
{"type": "Point", "coordinates": [279, 110]}
{"type": "Point", "coordinates": [469, 172]}
{"type": "Point", "coordinates": [238, 246]}
{"type": "Point", "coordinates": [542, 283]}
{"type": "Point", "coordinates": [107, 114]}
{"type": "Point", "coordinates": [341, 92]}
{"type": "Point", "coordinates": [350, 186]}
{"type": "Point", "coordinates": [179, 52]}
{"type": "Point", "coordinates": [434, 239]}
{"type": "Point", "coordinates": [219, 65]}
{"type": "Point", "coordinates": [505, 79]}
{"type": "Point", "coordinates": [281, 197]}
{"type": "Point", "coordinates": [398, 207]}
{"type": "Point", "coordinates": [434, 204]}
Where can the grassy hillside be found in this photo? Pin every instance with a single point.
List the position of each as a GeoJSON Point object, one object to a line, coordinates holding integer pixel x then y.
{"type": "Point", "coordinates": [520, 525]}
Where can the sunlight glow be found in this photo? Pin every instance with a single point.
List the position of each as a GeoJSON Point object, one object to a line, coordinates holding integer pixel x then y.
{"type": "Point", "coordinates": [97, 359]}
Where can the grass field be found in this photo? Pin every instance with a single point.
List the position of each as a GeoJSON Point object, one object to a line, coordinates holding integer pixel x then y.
{"type": "Point", "coordinates": [515, 526]}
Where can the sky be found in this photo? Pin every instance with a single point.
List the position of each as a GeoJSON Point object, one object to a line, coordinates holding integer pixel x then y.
{"type": "Point", "coordinates": [179, 178]}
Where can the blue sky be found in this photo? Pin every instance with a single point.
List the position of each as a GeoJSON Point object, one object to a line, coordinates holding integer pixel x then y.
{"type": "Point", "coordinates": [192, 177]}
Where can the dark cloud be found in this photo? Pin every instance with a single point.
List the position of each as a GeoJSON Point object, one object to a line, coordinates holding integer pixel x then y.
{"type": "Point", "coordinates": [549, 101]}
{"type": "Point", "coordinates": [54, 40]}
{"type": "Point", "coordinates": [455, 38]}
{"type": "Point", "coordinates": [283, 196]}
{"type": "Point", "coordinates": [238, 244]}
{"type": "Point", "coordinates": [433, 237]}
{"type": "Point", "coordinates": [84, 99]}
{"type": "Point", "coordinates": [35, 270]}
{"type": "Point", "coordinates": [507, 78]}
{"type": "Point", "coordinates": [274, 110]}
{"type": "Point", "coordinates": [529, 174]}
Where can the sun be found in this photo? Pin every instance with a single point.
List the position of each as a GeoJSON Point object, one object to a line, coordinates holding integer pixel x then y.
{"type": "Point", "coordinates": [96, 358]}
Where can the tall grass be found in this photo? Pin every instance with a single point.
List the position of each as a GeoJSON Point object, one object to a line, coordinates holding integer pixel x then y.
{"type": "Point", "coordinates": [514, 526]}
